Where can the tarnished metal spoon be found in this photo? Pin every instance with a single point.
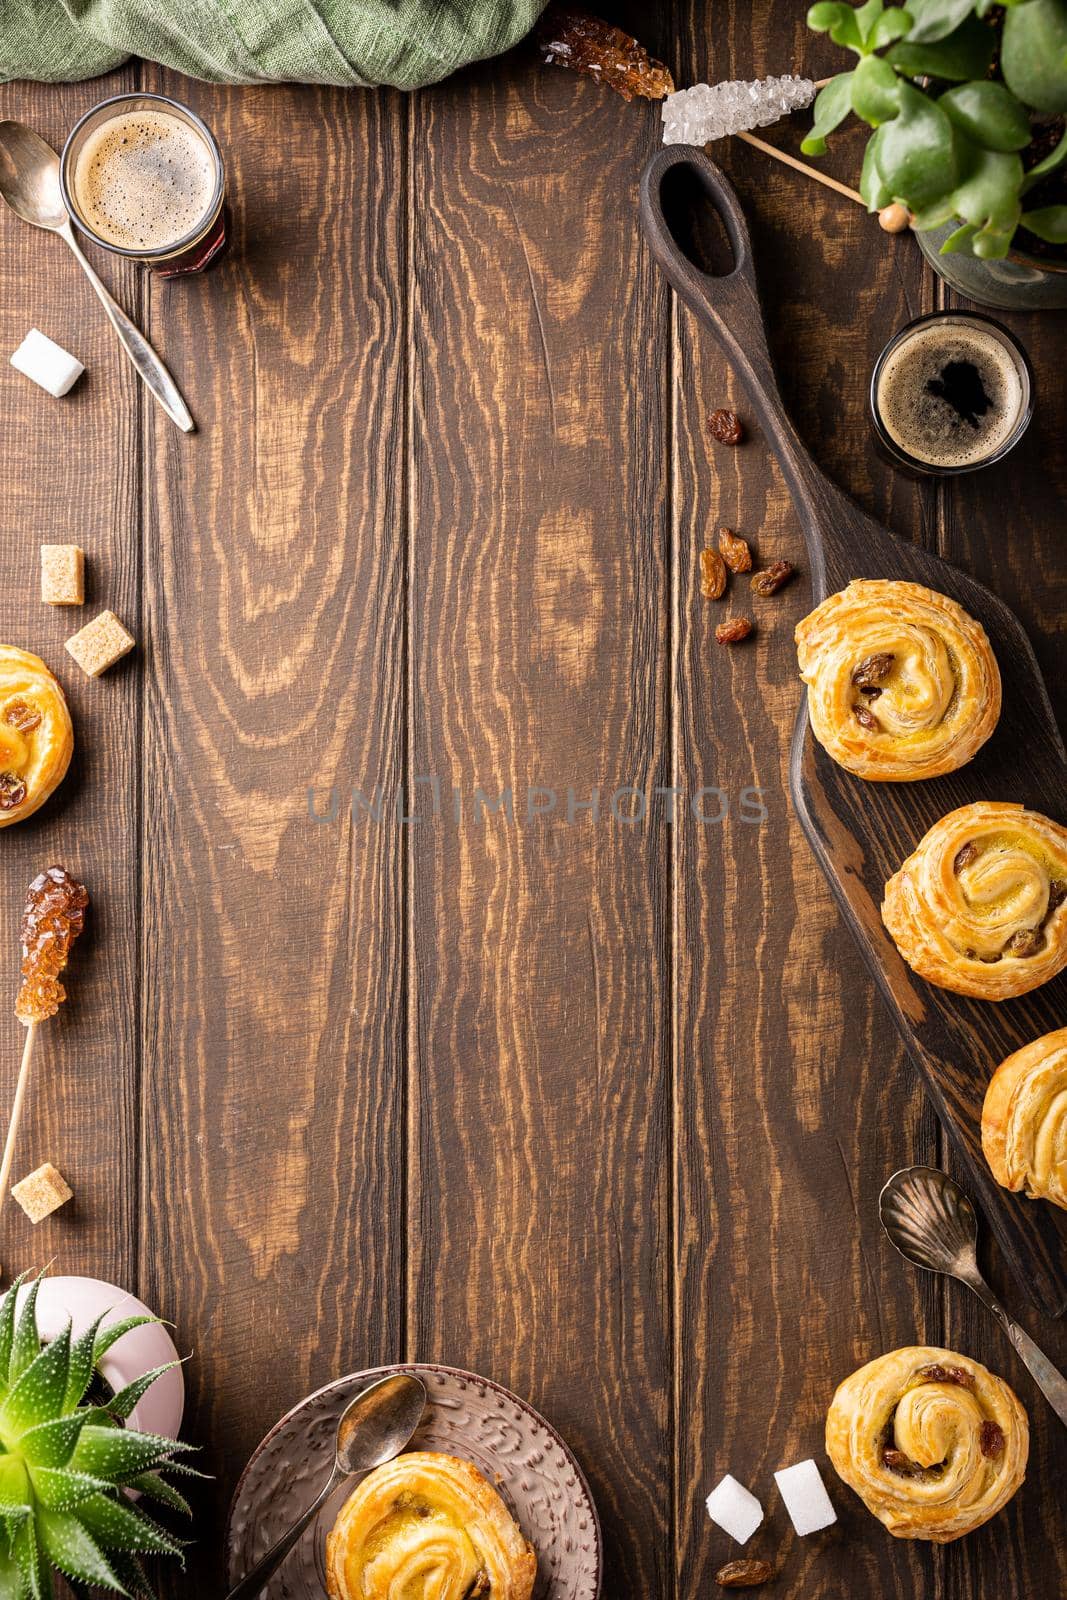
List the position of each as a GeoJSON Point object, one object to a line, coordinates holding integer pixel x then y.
{"type": "Point", "coordinates": [933, 1224]}
{"type": "Point", "coordinates": [374, 1427]}
{"type": "Point", "coordinates": [29, 182]}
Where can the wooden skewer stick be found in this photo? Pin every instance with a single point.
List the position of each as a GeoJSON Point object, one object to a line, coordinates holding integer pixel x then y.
{"type": "Point", "coordinates": [16, 1109]}
{"type": "Point", "coordinates": [802, 166]}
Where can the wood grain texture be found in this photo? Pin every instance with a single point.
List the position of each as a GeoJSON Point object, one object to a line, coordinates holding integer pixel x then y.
{"type": "Point", "coordinates": [274, 625]}
{"type": "Point", "coordinates": [67, 479]}
{"type": "Point", "coordinates": [599, 1109]}
{"type": "Point", "coordinates": [540, 1028]}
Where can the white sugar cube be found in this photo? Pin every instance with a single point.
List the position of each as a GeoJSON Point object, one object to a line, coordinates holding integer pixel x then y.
{"type": "Point", "coordinates": [47, 363]}
{"type": "Point", "coordinates": [736, 1511]}
{"type": "Point", "coordinates": [805, 1497]}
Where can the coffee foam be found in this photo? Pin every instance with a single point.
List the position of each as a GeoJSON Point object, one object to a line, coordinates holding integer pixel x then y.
{"type": "Point", "coordinates": [143, 180]}
{"type": "Point", "coordinates": [924, 426]}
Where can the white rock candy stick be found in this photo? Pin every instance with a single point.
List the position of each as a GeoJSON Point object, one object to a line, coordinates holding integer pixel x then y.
{"type": "Point", "coordinates": [711, 111]}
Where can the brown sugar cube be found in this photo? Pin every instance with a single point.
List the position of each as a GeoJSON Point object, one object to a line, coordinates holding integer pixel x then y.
{"type": "Point", "coordinates": [43, 1192]}
{"type": "Point", "coordinates": [100, 644]}
{"type": "Point", "coordinates": [62, 575]}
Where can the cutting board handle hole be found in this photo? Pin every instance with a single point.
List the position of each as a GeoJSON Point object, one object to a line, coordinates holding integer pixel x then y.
{"type": "Point", "coordinates": [694, 223]}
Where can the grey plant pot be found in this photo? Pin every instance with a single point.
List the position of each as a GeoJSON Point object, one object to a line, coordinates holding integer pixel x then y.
{"type": "Point", "coordinates": [1018, 283]}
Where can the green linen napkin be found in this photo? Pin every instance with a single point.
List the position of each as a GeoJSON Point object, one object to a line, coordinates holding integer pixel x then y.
{"type": "Point", "coordinates": [359, 43]}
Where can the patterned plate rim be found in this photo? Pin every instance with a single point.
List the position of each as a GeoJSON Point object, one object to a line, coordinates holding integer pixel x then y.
{"type": "Point", "coordinates": [368, 1375]}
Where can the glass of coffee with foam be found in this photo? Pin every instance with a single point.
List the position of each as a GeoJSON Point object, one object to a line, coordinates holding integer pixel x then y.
{"type": "Point", "coordinates": [143, 176]}
{"type": "Point", "coordinates": [951, 392]}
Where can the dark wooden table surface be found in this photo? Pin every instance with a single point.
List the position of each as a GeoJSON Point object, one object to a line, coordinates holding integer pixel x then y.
{"type": "Point", "coordinates": [598, 1108]}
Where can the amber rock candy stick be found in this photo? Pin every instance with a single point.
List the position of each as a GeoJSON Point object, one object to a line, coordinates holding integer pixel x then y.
{"type": "Point", "coordinates": [53, 918]}
{"type": "Point", "coordinates": [597, 49]}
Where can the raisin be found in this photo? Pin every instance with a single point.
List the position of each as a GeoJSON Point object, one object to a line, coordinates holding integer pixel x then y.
{"type": "Point", "coordinates": [12, 791]}
{"type": "Point", "coordinates": [940, 1374]}
{"type": "Point", "coordinates": [773, 578]}
{"type": "Point", "coordinates": [596, 49]}
{"type": "Point", "coordinates": [1027, 942]}
{"type": "Point", "coordinates": [991, 1440]}
{"type": "Point", "coordinates": [725, 426]}
{"type": "Point", "coordinates": [744, 1574]}
{"type": "Point", "coordinates": [734, 631]}
{"type": "Point", "coordinates": [965, 856]}
{"type": "Point", "coordinates": [22, 717]}
{"type": "Point", "coordinates": [735, 551]}
{"type": "Point", "coordinates": [897, 1461]}
{"type": "Point", "coordinates": [873, 670]}
{"type": "Point", "coordinates": [866, 719]}
{"type": "Point", "coordinates": [1057, 894]}
{"type": "Point", "coordinates": [871, 694]}
{"type": "Point", "coordinates": [712, 574]}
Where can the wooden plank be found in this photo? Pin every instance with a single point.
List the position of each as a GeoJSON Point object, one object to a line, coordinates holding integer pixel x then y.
{"type": "Point", "coordinates": [1005, 526]}
{"type": "Point", "coordinates": [71, 475]}
{"type": "Point", "coordinates": [793, 1101]}
{"type": "Point", "coordinates": [274, 620]}
{"type": "Point", "coordinates": [540, 1107]}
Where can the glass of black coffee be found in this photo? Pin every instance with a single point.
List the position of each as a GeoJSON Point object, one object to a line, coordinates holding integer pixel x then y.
{"type": "Point", "coordinates": [951, 392]}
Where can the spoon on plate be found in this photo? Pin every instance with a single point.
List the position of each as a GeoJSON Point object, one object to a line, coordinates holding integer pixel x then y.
{"type": "Point", "coordinates": [373, 1428]}
{"type": "Point", "coordinates": [932, 1223]}
{"type": "Point", "coordinates": [29, 182]}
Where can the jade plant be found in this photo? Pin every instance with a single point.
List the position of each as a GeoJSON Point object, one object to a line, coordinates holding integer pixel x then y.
{"type": "Point", "coordinates": [967, 102]}
{"type": "Point", "coordinates": [66, 1461]}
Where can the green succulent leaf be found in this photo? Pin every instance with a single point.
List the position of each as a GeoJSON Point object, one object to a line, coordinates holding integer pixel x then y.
{"type": "Point", "coordinates": [117, 1454]}
{"type": "Point", "coordinates": [153, 1487]}
{"type": "Point", "coordinates": [875, 91]}
{"type": "Point", "coordinates": [1047, 222]}
{"type": "Point", "coordinates": [967, 52]}
{"type": "Point", "coordinates": [832, 106]}
{"type": "Point", "coordinates": [133, 1576]}
{"type": "Point", "coordinates": [26, 1345]}
{"type": "Point", "coordinates": [72, 1549]}
{"type": "Point", "coordinates": [51, 1444]}
{"type": "Point", "coordinates": [28, 1558]}
{"type": "Point", "coordinates": [1033, 53]}
{"type": "Point", "coordinates": [936, 19]}
{"type": "Point", "coordinates": [917, 152]}
{"type": "Point", "coordinates": [872, 186]}
{"type": "Point", "coordinates": [7, 1329]}
{"type": "Point", "coordinates": [11, 1584]}
{"type": "Point", "coordinates": [122, 1404]}
{"type": "Point", "coordinates": [15, 1487]}
{"type": "Point", "coordinates": [82, 1353]}
{"type": "Point", "coordinates": [61, 1489]}
{"type": "Point", "coordinates": [37, 1396]}
{"type": "Point", "coordinates": [893, 24]}
{"type": "Point", "coordinates": [106, 1337]}
{"type": "Point", "coordinates": [988, 114]}
{"type": "Point", "coordinates": [839, 21]}
{"type": "Point", "coordinates": [1041, 169]}
{"type": "Point", "coordinates": [120, 1526]}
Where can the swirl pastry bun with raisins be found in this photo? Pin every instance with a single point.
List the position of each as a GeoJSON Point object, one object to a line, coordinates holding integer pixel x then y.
{"type": "Point", "coordinates": [980, 906]}
{"type": "Point", "coordinates": [427, 1525]}
{"type": "Point", "coordinates": [933, 1443]}
{"type": "Point", "coordinates": [1024, 1120]}
{"type": "Point", "coordinates": [36, 734]}
{"type": "Point", "coordinates": [902, 683]}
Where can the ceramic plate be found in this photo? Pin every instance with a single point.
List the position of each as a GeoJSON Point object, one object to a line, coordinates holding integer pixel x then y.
{"type": "Point", "coordinates": [467, 1416]}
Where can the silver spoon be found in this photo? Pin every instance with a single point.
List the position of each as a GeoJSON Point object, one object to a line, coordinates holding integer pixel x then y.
{"type": "Point", "coordinates": [29, 182]}
{"type": "Point", "coordinates": [932, 1223]}
{"type": "Point", "coordinates": [374, 1427]}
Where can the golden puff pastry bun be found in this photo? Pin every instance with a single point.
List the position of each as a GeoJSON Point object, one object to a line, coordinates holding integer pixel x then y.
{"type": "Point", "coordinates": [902, 683]}
{"type": "Point", "coordinates": [36, 734]}
{"type": "Point", "coordinates": [427, 1527]}
{"type": "Point", "coordinates": [979, 907]}
{"type": "Point", "coordinates": [933, 1443]}
{"type": "Point", "coordinates": [1024, 1120]}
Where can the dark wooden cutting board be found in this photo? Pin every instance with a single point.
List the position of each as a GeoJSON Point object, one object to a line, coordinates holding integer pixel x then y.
{"type": "Point", "coordinates": [861, 832]}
